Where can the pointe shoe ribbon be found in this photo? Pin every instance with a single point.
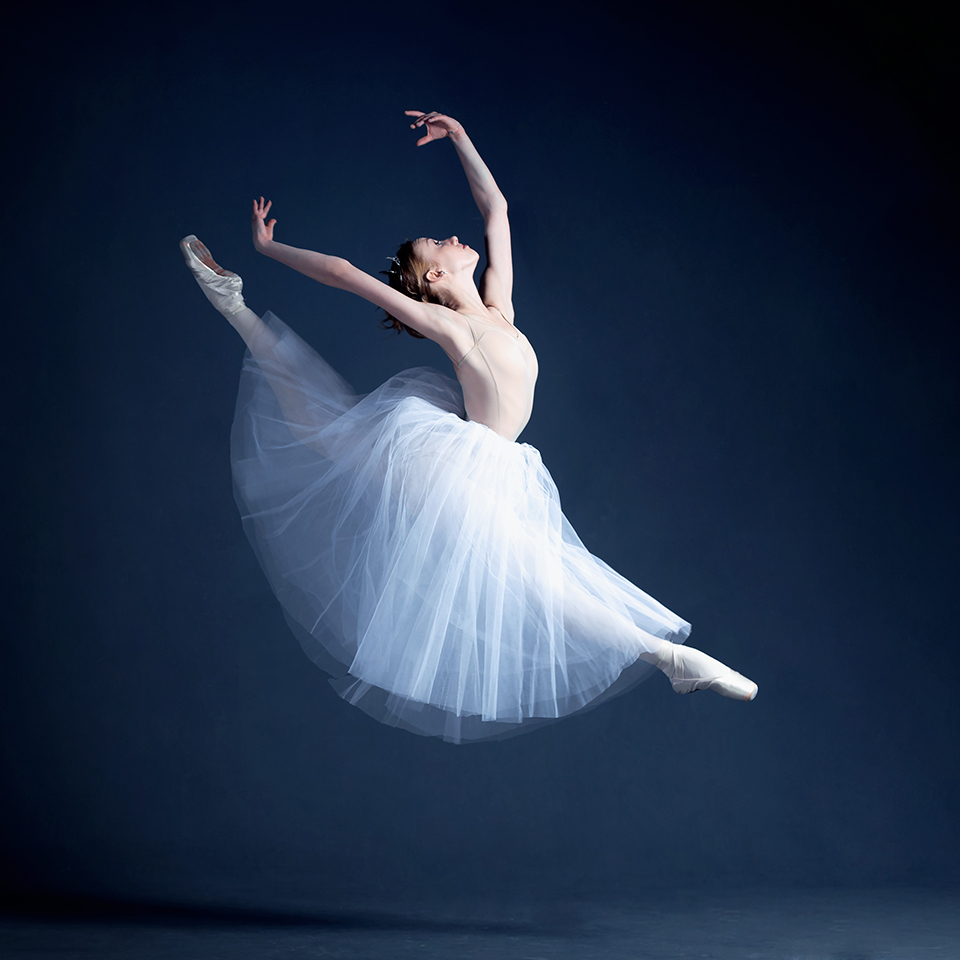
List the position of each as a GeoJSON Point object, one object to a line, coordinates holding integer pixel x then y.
{"type": "Point", "coordinates": [690, 670]}
{"type": "Point", "coordinates": [221, 287]}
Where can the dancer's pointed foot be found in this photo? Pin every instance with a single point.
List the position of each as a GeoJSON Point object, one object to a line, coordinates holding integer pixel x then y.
{"type": "Point", "coordinates": [690, 669]}
{"type": "Point", "coordinates": [221, 287]}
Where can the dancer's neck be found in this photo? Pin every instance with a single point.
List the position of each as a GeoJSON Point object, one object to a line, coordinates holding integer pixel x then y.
{"type": "Point", "coordinates": [463, 296]}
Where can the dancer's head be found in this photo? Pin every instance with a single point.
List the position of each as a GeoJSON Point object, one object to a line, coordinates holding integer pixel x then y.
{"type": "Point", "coordinates": [423, 270]}
{"type": "Point", "coordinates": [407, 273]}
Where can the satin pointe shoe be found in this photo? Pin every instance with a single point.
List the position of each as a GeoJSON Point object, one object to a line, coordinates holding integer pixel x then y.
{"type": "Point", "coordinates": [690, 669]}
{"type": "Point", "coordinates": [221, 287]}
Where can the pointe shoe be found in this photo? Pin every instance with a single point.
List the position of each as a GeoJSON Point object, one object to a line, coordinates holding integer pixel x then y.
{"type": "Point", "coordinates": [690, 670]}
{"type": "Point", "coordinates": [221, 287]}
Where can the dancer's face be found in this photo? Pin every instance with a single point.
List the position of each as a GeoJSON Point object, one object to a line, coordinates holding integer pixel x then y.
{"type": "Point", "coordinates": [449, 255]}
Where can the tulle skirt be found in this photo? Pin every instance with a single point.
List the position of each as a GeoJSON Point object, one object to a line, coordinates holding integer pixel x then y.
{"type": "Point", "coordinates": [422, 559]}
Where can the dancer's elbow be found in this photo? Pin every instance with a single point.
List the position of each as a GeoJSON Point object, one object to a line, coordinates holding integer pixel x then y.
{"type": "Point", "coordinates": [337, 272]}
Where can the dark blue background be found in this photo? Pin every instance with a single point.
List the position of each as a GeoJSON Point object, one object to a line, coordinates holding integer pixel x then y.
{"type": "Point", "coordinates": [735, 245]}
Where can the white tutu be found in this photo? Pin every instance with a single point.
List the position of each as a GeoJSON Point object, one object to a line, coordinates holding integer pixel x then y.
{"type": "Point", "coordinates": [424, 559]}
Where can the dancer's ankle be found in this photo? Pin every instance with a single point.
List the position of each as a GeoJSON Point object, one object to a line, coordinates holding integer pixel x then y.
{"type": "Point", "coordinates": [654, 657]}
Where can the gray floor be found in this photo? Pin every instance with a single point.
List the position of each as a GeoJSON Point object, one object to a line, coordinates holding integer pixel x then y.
{"type": "Point", "coordinates": [792, 925]}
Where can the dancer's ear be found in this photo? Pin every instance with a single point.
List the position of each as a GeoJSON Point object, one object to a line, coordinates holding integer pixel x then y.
{"type": "Point", "coordinates": [434, 275]}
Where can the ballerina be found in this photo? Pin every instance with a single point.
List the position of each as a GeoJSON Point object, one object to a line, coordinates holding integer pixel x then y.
{"type": "Point", "coordinates": [417, 549]}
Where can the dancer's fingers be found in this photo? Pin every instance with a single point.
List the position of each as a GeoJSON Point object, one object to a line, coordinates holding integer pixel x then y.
{"type": "Point", "coordinates": [423, 117]}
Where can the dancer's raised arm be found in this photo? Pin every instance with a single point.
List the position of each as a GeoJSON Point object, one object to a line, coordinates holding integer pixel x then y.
{"type": "Point", "coordinates": [496, 284]}
{"type": "Point", "coordinates": [430, 319]}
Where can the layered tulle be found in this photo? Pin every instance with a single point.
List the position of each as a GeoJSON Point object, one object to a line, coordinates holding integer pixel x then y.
{"type": "Point", "coordinates": [423, 559]}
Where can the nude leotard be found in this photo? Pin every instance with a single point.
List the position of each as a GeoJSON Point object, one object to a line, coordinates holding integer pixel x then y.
{"type": "Point", "coordinates": [498, 374]}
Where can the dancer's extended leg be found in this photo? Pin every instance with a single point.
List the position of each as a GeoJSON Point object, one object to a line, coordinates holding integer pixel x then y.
{"type": "Point", "coordinates": [687, 668]}
{"type": "Point", "coordinates": [304, 417]}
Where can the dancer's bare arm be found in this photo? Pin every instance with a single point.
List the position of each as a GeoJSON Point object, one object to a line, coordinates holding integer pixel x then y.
{"type": "Point", "coordinates": [496, 285]}
{"type": "Point", "coordinates": [435, 322]}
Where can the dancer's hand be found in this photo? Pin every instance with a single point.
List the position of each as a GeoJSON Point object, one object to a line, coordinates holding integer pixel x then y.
{"type": "Point", "coordinates": [438, 125]}
{"type": "Point", "coordinates": [262, 228]}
